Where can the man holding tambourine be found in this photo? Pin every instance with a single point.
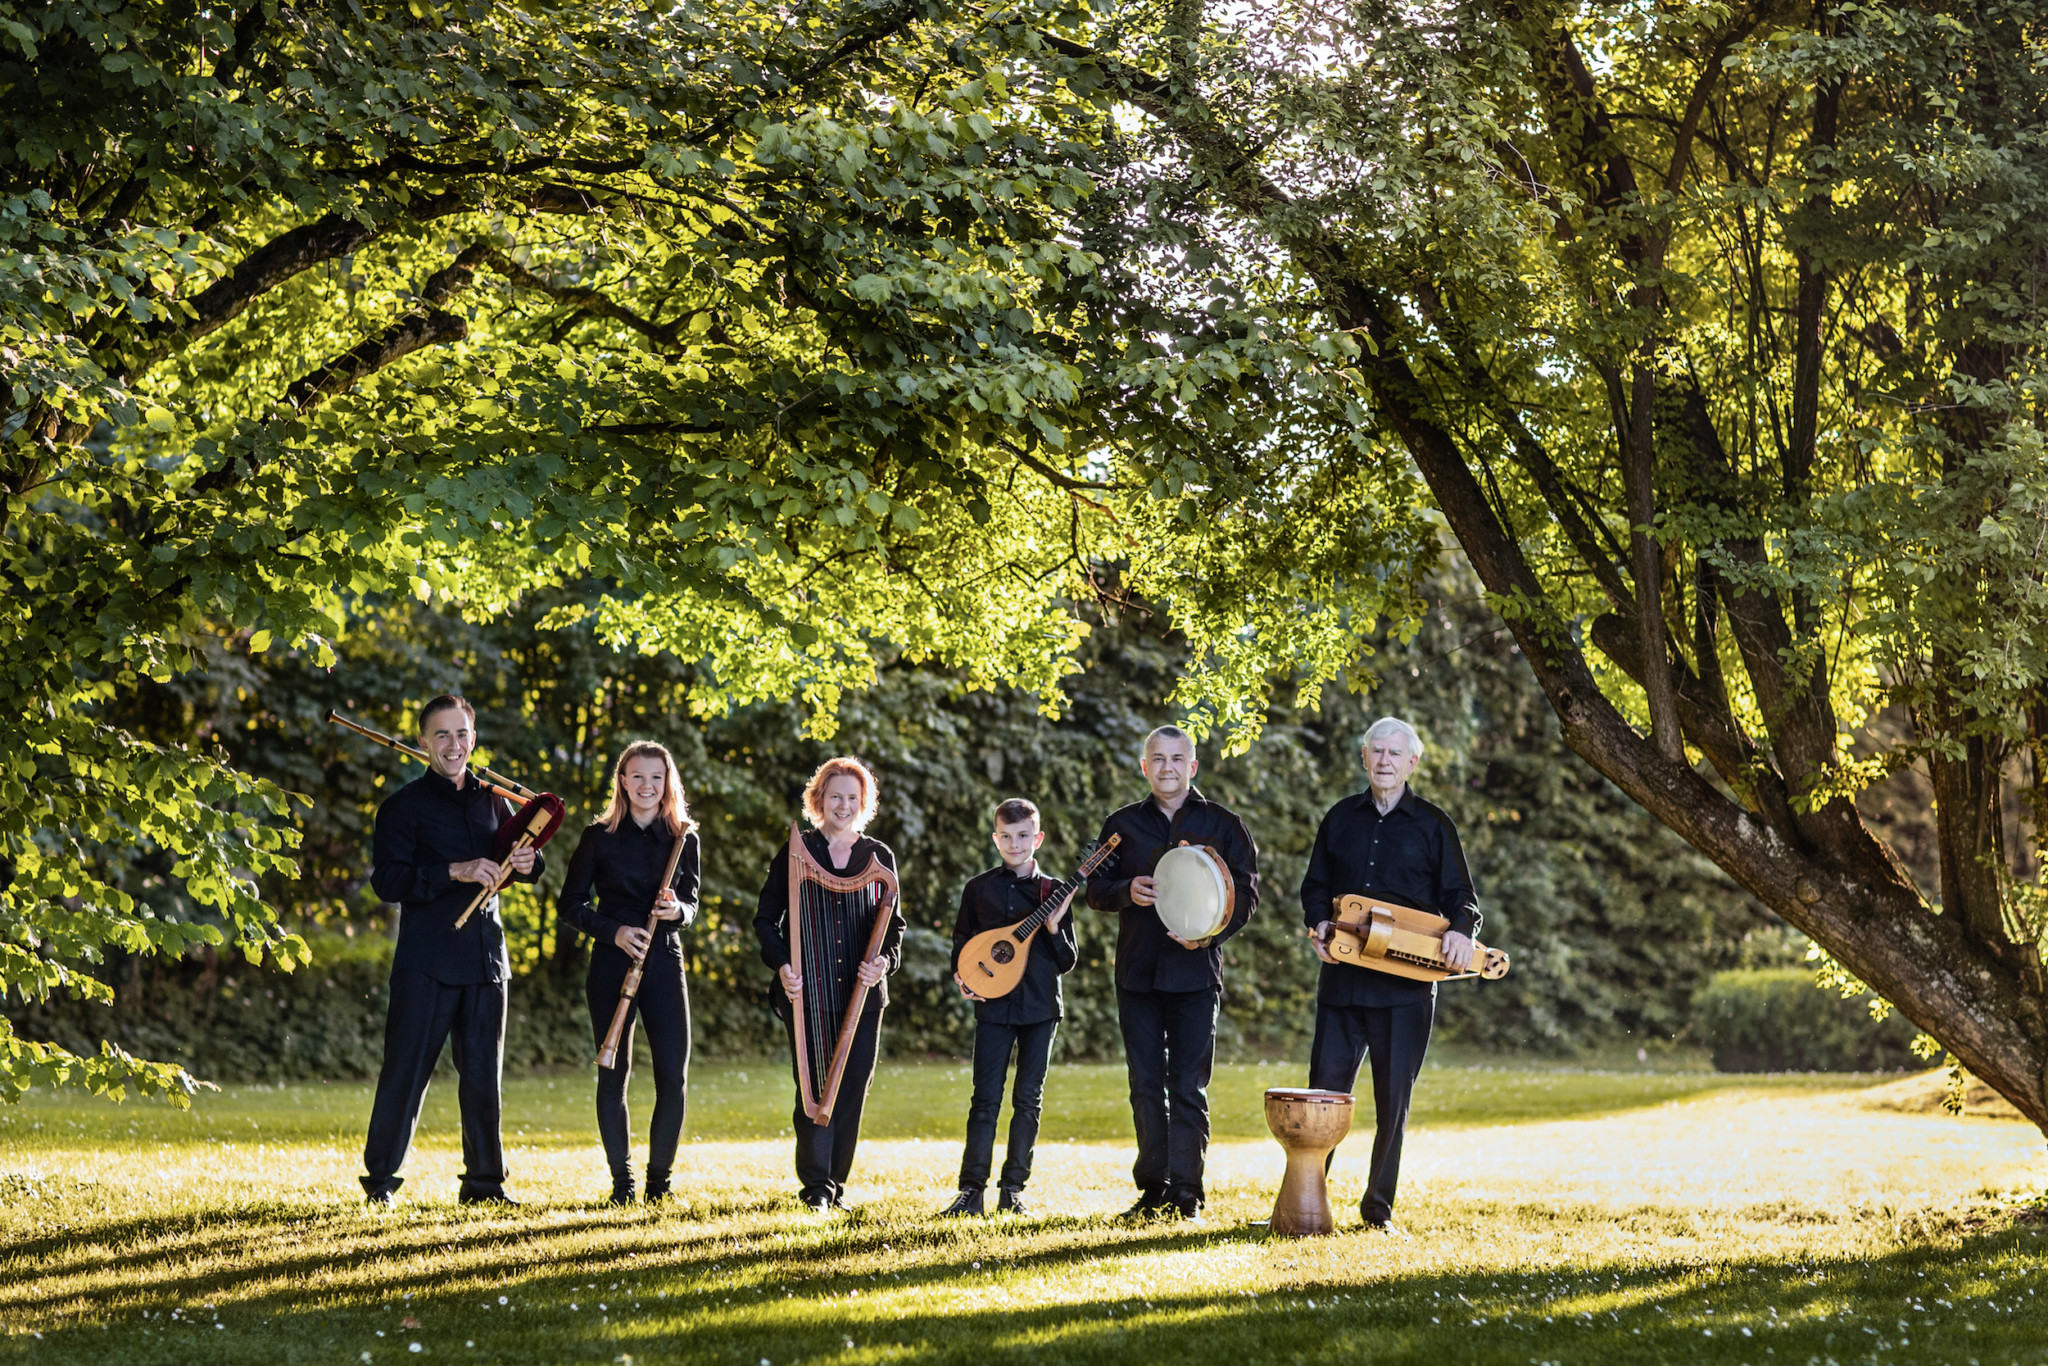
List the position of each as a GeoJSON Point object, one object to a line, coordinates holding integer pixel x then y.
{"type": "Point", "coordinates": [1184, 878]}
{"type": "Point", "coordinates": [1390, 844]}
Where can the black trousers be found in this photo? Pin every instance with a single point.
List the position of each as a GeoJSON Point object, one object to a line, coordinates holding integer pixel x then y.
{"type": "Point", "coordinates": [424, 1014]}
{"type": "Point", "coordinates": [1396, 1037]}
{"type": "Point", "coordinates": [993, 1045]}
{"type": "Point", "coordinates": [824, 1153]}
{"type": "Point", "coordinates": [663, 1001]}
{"type": "Point", "coordinates": [1169, 1051]}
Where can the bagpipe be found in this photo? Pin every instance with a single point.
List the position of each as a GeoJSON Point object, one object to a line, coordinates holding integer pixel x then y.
{"type": "Point", "coordinates": [536, 817]}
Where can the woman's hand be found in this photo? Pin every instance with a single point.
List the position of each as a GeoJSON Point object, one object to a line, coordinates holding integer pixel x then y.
{"type": "Point", "coordinates": [632, 939]}
{"type": "Point", "coordinates": [873, 971]}
{"type": "Point", "coordinates": [668, 906]}
{"type": "Point", "coordinates": [792, 982]}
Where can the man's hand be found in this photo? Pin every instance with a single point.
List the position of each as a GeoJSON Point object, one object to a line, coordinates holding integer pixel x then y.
{"type": "Point", "coordinates": [1457, 951]}
{"type": "Point", "coordinates": [1052, 922]}
{"type": "Point", "coordinates": [873, 971]}
{"type": "Point", "coordinates": [792, 982]}
{"type": "Point", "coordinates": [482, 870]}
{"type": "Point", "coordinates": [1188, 943]}
{"type": "Point", "coordinates": [632, 939]}
{"type": "Point", "coordinates": [522, 859]}
{"type": "Point", "coordinates": [668, 906]}
{"type": "Point", "coordinates": [1144, 891]}
{"type": "Point", "coordinates": [965, 990]}
{"type": "Point", "coordinates": [1321, 939]}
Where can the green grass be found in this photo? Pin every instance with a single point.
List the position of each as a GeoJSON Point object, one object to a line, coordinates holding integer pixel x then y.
{"type": "Point", "coordinates": [1560, 1214]}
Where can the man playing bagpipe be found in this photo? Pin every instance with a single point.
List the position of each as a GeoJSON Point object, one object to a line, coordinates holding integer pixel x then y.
{"type": "Point", "coordinates": [1023, 1020]}
{"type": "Point", "coordinates": [1388, 843]}
{"type": "Point", "coordinates": [432, 850]}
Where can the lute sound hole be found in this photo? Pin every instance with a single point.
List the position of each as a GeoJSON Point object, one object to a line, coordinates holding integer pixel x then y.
{"type": "Point", "coordinates": [1002, 953]}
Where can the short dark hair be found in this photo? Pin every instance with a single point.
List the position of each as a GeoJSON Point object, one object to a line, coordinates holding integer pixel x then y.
{"type": "Point", "coordinates": [1168, 732]}
{"type": "Point", "coordinates": [443, 703]}
{"type": "Point", "coordinates": [1015, 811]}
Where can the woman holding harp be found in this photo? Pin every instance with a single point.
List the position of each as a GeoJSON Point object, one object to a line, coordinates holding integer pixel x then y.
{"type": "Point", "coordinates": [639, 862]}
{"type": "Point", "coordinates": [830, 925]}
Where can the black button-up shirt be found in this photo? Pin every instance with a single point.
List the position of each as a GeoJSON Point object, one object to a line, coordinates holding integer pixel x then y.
{"type": "Point", "coordinates": [1146, 959]}
{"type": "Point", "coordinates": [1410, 856]}
{"type": "Point", "coordinates": [422, 829]}
{"type": "Point", "coordinates": [997, 898]}
{"type": "Point", "coordinates": [623, 869]}
{"type": "Point", "coordinates": [849, 942]}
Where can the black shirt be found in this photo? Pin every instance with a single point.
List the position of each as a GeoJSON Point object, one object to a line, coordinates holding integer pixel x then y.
{"type": "Point", "coordinates": [623, 867]}
{"type": "Point", "coordinates": [421, 829]}
{"type": "Point", "coordinates": [1146, 959]}
{"type": "Point", "coordinates": [997, 898]}
{"type": "Point", "coordinates": [771, 917]}
{"type": "Point", "coordinates": [1411, 856]}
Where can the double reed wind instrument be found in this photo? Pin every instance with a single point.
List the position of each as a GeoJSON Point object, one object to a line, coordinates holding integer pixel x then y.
{"type": "Point", "coordinates": [609, 1052]}
{"type": "Point", "coordinates": [817, 899]}
{"type": "Point", "coordinates": [537, 819]}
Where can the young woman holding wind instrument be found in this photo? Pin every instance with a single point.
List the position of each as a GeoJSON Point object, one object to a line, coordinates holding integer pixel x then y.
{"type": "Point", "coordinates": [631, 885]}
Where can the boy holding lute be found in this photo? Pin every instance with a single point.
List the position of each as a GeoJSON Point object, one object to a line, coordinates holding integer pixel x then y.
{"type": "Point", "coordinates": [1021, 1020]}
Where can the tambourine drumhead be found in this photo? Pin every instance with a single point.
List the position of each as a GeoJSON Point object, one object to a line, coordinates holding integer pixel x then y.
{"type": "Point", "coordinates": [1191, 895]}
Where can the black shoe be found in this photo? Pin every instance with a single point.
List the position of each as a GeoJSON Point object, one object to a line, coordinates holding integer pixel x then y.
{"type": "Point", "coordinates": [968, 1201]}
{"type": "Point", "coordinates": [817, 1202]}
{"type": "Point", "coordinates": [496, 1197]}
{"type": "Point", "coordinates": [381, 1190]}
{"type": "Point", "coordinates": [1010, 1200]}
{"type": "Point", "coordinates": [1189, 1211]}
{"type": "Point", "coordinates": [622, 1188]}
{"type": "Point", "coordinates": [1389, 1229]}
{"type": "Point", "coordinates": [1149, 1205]}
{"type": "Point", "coordinates": [657, 1185]}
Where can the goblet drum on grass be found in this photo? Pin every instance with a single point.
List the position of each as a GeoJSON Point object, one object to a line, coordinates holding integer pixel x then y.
{"type": "Point", "coordinates": [1309, 1124]}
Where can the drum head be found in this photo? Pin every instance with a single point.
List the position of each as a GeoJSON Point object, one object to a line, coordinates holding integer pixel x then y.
{"type": "Point", "coordinates": [1190, 893]}
{"type": "Point", "coordinates": [1307, 1095]}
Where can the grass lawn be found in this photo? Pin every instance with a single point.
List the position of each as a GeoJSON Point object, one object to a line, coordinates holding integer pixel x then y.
{"type": "Point", "coordinates": [1559, 1215]}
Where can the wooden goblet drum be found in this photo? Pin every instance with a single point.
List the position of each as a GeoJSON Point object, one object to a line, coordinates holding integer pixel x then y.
{"type": "Point", "coordinates": [1309, 1125]}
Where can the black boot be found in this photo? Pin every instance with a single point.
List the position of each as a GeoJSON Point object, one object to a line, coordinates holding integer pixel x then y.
{"type": "Point", "coordinates": [622, 1186]}
{"type": "Point", "coordinates": [968, 1201]}
{"type": "Point", "coordinates": [1010, 1200]}
{"type": "Point", "coordinates": [657, 1185]}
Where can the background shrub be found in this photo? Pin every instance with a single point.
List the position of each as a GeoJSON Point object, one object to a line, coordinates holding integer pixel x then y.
{"type": "Point", "coordinates": [1777, 1020]}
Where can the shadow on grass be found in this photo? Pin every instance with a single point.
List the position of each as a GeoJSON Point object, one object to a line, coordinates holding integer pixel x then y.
{"type": "Point", "coordinates": [761, 1281]}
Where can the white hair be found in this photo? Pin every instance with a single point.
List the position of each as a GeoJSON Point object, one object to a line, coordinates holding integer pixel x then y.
{"type": "Point", "coordinates": [1166, 732]}
{"type": "Point", "coordinates": [1392, 725]}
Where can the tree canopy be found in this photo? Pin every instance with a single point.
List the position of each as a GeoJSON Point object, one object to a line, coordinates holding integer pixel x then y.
{"type": "Point", "coordinates": [808, 333]}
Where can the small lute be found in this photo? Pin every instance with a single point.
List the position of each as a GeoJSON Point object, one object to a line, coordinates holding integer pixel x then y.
{"type": "Point", "coordinates": [992, 963]}
{"type": "Point", "coordinates": [1383, 937]}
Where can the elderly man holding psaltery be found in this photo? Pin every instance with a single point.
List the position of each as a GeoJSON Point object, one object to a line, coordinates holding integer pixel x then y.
{"type": "Point", "coordinates": [1390, 844]}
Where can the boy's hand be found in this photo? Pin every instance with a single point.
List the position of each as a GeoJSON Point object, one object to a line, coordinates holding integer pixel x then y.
{"type": "Point", "coordinates": [1052, 922]}
{"type": "Point", "coordinates": [964, 989]}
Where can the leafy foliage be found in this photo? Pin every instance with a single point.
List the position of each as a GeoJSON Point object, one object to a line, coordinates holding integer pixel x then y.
{"type": "Point", "coordinates": [784, 333]}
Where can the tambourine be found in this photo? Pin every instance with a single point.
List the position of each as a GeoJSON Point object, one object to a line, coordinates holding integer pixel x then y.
{"type": "Point", "coordinates": [1192, 891]}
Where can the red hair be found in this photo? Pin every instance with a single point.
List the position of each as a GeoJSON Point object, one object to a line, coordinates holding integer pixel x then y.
{"type": "Point", "coordinates": [842, 766]}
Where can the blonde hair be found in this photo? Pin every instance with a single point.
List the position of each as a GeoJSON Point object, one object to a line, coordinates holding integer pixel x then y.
{"type": "Point", "coordinates": [841, 766]}
{"type": "Point", "coordinates": [674, 813]}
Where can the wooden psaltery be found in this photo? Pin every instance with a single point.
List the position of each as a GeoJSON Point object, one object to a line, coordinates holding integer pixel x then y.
{"type": "Point", "coordinates": [1403, 941]}
{"type": "Point", "coordinates": [875, 881]}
